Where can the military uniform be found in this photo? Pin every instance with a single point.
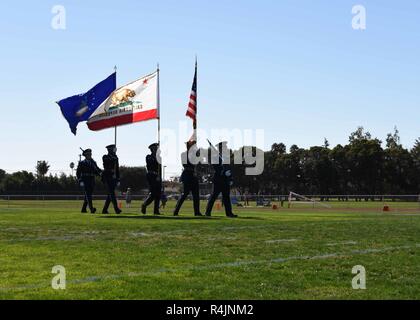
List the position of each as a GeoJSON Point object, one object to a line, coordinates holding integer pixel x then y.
{"type": "Point", "coordinates": [222, 181]}
{"type": "Point", "coordinates": [154, 180]}
{"type": "Point", "coordinates": [111, 178]}
{"type": "Point", "coordinates": [86, 172]}
{"type": "Point", "coordinates": [190, 183]}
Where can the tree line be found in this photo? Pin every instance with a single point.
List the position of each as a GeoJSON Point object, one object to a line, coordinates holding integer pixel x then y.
{"type": "Point", "coordinates": [360, 167]}
{"type": "Point", "coordinates": [28, 183]}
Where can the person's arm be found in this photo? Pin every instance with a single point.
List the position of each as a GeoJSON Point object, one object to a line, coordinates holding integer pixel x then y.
{"type": "Point", "coordinates": [104, 162]}
{"type": "Point", "coordinates": [117, 170]}
{"type": "Point", "coordinates": [148, 161]}
{"type": "Point", "coordinates": [98, 170]}
{"type": "Point", "coordinates": [79, 171]}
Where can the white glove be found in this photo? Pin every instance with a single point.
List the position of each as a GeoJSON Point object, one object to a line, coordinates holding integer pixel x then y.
{"type": "Point", "coordinates": [118, 184]}
{"type": "Point", "coordinates": [228, 173]}
{"type": "Point", "coordinates": [82, 184]}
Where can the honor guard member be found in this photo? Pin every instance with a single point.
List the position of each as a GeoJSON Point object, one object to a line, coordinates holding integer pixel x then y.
{"type": "Point", "coordinates": [154, 180]}
{"type": "Point", "coordinates": [222, 181]}
{"type": "Point", "coordinates": [189, 180]}
{"type": "Point", "coordinates": [111, 177]}
{"type": "Point", "coordinates": [86, 172]}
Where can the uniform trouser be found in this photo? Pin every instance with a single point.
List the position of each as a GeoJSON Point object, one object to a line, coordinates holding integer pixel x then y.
{"type": "Point", "coordinates": [111, 184]}
{"type": "Point", "coordinates": [155, 188]}
{"type": "Point", "coordinates": [190, 185]}
{"type": "Point", "coordinates": [224, 188]}
{"type": "Point", "coordinates": [88, 189]}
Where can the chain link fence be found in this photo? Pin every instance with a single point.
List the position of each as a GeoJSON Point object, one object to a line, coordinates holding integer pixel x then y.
{"type": "Point", "coordinates": [250, 201]}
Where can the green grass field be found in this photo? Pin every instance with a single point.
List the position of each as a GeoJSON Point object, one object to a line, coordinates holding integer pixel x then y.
{"type": "Point", "coordinates": [298, 253]}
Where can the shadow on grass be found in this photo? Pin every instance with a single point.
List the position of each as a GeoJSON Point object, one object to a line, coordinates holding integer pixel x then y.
{"type": "Point", "coordinates": [171, 217]}
{"type": "Point", "coordinates": [161, 217]}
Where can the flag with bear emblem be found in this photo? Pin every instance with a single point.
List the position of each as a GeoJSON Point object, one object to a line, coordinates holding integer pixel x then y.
{"type": "Point", "coordinates": [134, 102]}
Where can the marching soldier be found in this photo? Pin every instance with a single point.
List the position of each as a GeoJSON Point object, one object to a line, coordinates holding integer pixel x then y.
{"type": "Point", "coordinates": [154, 180]}
{"type": "Point", "coordinates": [111, 177]}
{"type": "Point", "coordinates": [189, 180]}
{"type": "Point", "coordinates": [86, 172]}
{"type": "Point", "coordinates": [222, 181]}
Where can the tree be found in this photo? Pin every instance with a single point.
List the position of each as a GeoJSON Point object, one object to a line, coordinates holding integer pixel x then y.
{"type": "Point", "coordinates": [42, 168]}
{"type": "Point", "coordinates": [2, 175]}
{"type": "Point", "coordinates": [134, 178]}
{"type": "Point", "coordinates": [393, 140]}
{"type": "Point", "coordinates": [415, 155]}
{"type": "Point", "coordinates": [278, 148]}
{"type": "Point", "coordinates": [359, 135]}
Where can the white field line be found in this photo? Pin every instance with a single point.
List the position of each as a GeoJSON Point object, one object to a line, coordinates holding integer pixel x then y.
{"type": "Point", "coordinates": [281, 241]}
{"type": "Point", "coordinates": [336, 255]}
{"type": "Point", "coordinates": [221, 238]}
{"type": "Point", "coordinates": [92, 234]}
{"type": "Point", "coordinates": [341, 243]}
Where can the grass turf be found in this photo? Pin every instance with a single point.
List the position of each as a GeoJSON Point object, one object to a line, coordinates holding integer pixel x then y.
{"type": "Point", "coordinates": [298, 253]}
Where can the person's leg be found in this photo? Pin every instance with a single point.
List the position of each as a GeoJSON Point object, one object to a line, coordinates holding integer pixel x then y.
{"type": "Point", "coordinates": [150, 197]}
{"type": "Point", "coordinates": [113, 198]}
{"type": "Point", "coordinates": [196, 197]}
{"type": "Point", "coordinates": [212, 199]}
{"type": "Point", "coordinates": [85, 203]}
{"type": "Point", "coordinates": [181, 200]}
{"type": "Point", "coordinates": [106, 204]}
{"type": "Point", "coordinates": [89, 192]}
{"type": "Point", "coordinates": [157, 196]}
{"type": "Point", "coordinates": [148, 200]}
{"type": "Point", "coordinates": [227, 202]}
{"type": "Point", "coordinates": [110, 190]}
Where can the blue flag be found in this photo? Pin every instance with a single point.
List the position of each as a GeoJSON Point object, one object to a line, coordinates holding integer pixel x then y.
{"type": "Point", "coordinates": [80, 107]}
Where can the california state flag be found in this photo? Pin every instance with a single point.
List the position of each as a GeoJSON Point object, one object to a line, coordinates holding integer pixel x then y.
{"type": "Point", "coordinates": [136, 101]}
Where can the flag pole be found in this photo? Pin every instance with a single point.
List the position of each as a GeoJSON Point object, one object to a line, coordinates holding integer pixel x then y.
{"type": "Point", "coordinates": [115, 128]}
{"type": "Point", "coordinates": [196, 101]}
{"type": "Point", "coordinates": [158, 101]}
{"type": "Point", "coordinates": [158, 107]}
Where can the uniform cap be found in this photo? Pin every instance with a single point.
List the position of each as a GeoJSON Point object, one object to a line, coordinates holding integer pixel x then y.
{"type": "Point", "coordinates": [86, 151]}
{"type": "Point", "coordinates": [154, 145]}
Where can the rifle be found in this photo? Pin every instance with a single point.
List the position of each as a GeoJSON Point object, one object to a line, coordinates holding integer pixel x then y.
{"type": "Point", "coordinates": [213, 147]}
{"type": "Point", "coordinates": [80, 155]}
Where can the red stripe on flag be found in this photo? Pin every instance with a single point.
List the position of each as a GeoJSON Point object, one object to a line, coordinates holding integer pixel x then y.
{"type": "Point", "coordinates": [123, 119]}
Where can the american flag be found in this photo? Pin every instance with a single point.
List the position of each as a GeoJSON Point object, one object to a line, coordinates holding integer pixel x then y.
{"type": "Point", "coordinates": [192, 105]}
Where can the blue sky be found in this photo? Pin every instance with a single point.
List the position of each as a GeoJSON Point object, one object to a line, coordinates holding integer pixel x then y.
{"type": "Point", "coordinates": [295, 68]}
